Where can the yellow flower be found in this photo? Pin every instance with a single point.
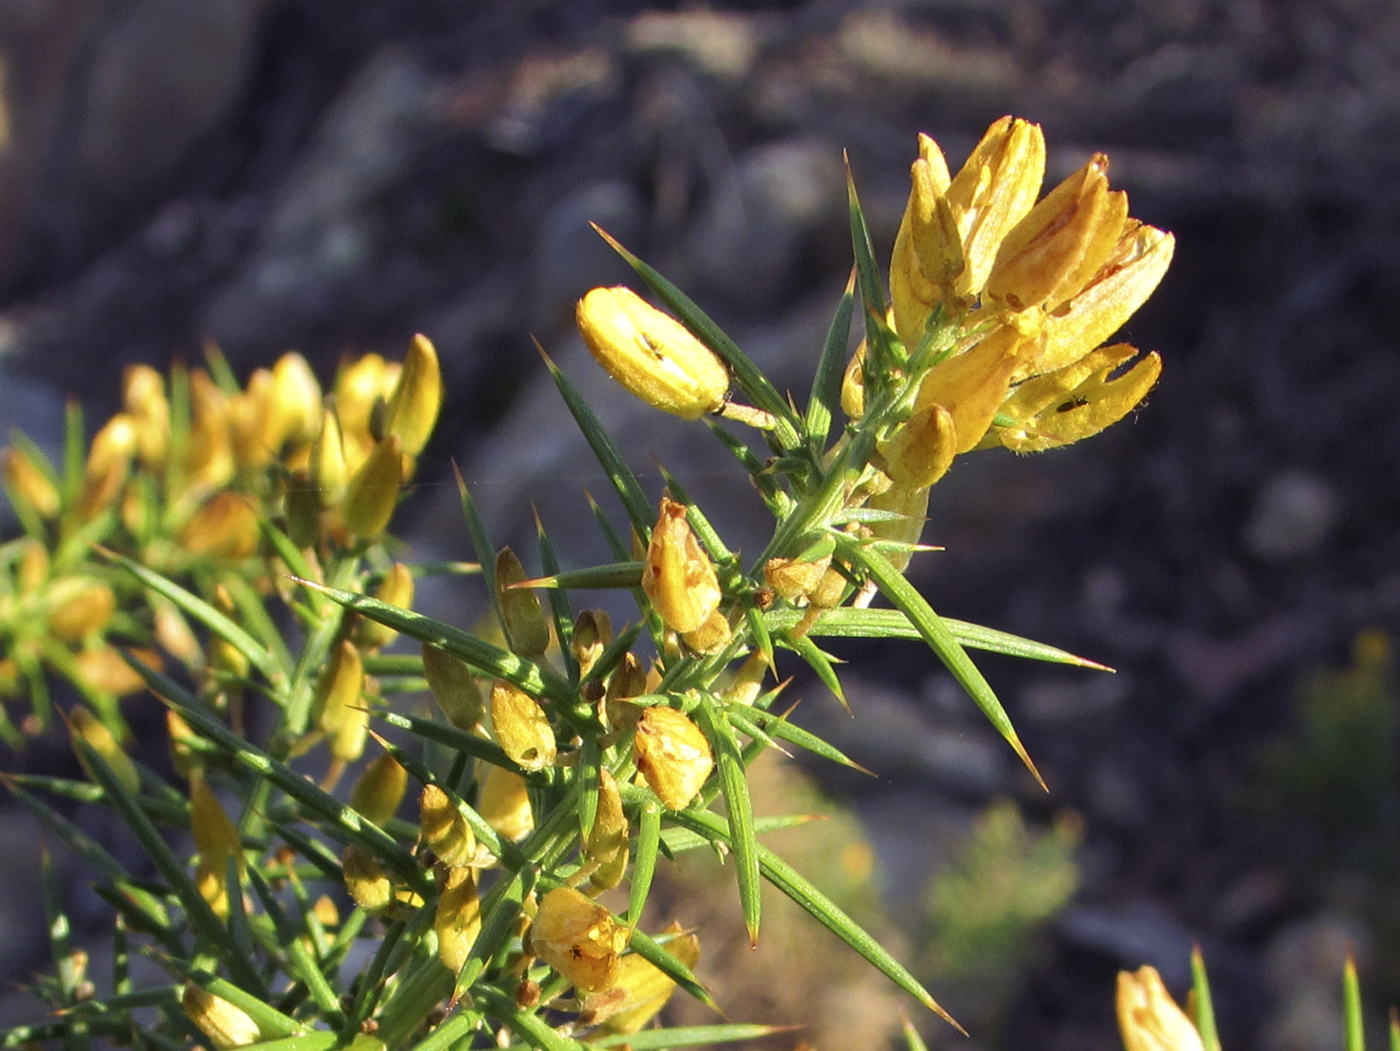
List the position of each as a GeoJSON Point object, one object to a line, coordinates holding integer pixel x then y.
{"type": "Point", "coordinates": [641, 989]}
{"type": "Point", "coordinates": [217, 840]}
{"type": "Point", "coordinates": [413, 407]}
{"type": "Point", "coordinates": [380, 789]}
{"type": "Point", "coordinates": [678, 577]}
{"type": "Point", "coordinates": [578, 938]}
{"type": "Point", "coordinates": [457, 919]}
{"type": "Point", "coordinates": [445, 830]}
{"type": "Point", "coordinates": [1148, 1017]}
{"type": "Point", "coordinates": [527, 629]}
{"type": "Point", "coordinates": [27, 484]}
{"type": "Point", "coordinates": [651, 353]}
{"type": "Point", "coordinates": [503, 801]}
{"type": "Point", "coordinates": [606, 845]}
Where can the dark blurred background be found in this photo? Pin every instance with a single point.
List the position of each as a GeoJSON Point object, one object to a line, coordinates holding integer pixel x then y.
{"type": "Point", "coordinates": [335, 175]}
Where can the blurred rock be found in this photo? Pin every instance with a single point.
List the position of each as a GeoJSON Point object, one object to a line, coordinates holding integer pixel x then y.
{"type": "Point", "coordinates": [719, 43]}
{"type": "Point", "coordinates": [104, 100]}
{"type": "Point", "coordinates": [747, 245]}
{"type": "Point", "coordinates": [324, 229]}
{"type": "Point", "coordinates": [1304, 963]}
{"type": "Point", "coordinates": [1130, 934]}
{"type": "Point", "coordinates": [1293, 517]}
{"type": "Point", "coordinates": [570, 257]}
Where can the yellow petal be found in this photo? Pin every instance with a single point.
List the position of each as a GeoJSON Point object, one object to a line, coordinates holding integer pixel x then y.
{"type": "Point", "coordinates": [1148, 1017]}
{"type": "Point", "coordinates": [1079, 400]}
{"type": "Point", "coordinates": [578, 938]}
{"type": "Point", "coordinates": [972, 385]}
{"type": "Point", "coordinates": [678, 576]}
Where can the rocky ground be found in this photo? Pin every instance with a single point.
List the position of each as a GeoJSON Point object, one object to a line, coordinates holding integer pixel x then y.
{"type": "Point", "coordinates": [328, 175]}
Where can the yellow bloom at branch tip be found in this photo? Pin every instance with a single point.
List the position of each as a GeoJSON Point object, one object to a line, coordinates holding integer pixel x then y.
{"type": "Point", "coordinates": [651, 354]}
{"type": "Point", "coordinates": [1148, 1017]}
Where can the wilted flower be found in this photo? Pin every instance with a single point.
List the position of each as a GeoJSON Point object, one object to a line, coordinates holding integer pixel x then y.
{"type": "Point", "coordinates": [672, 755]}
{"type": "Point", "coordinates": [521, 727]}
{"type": "Point", "coordinates": [503, 801]}
{"type": "Point", "coordinates": [578, 938]}
{"type": "Point", "coordinates": [445, 830]}
{"type": "Point", "coordinates": [380, 789]}
{"type": "Point", "coordinates": [527, 629]}
{"type": "Point", "coordinates": [641, 989]}
{"type": "Point", "coordinates": [606, 845]}
{"type": "Point", "coordinates": [457, 920]}
{"type": "Point", "coordinates": [651, 353]}
{"type": "Point", "coordinates": [454, 687]}
{"type": "Point", "coordinates": [678, 576]}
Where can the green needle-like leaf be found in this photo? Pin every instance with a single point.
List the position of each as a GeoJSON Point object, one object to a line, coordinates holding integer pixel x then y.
{"type": "Point", "coordinates": [270, 1021]}
{"type": "Point", "coordinates": [624, 480]}
{"type": "Point", "coordinates": [819, 662]}
{"type": "Point", "coordinates": [1351, 1007]}
{"type": "Point", "coordinates": [644, 858]}
{"type": "Point", "coordinates": [527, 1025]}
{"type": "Point", "coordinates": [755, 722]}
{"type": "Point", "coordinates": [535, 679]}
{"type": "Point", "coordinates": [613, 575]}
{"type": "Point", "coordinates": [846, 622]}
{"type": "Point", "coordinates": [734, 783]}
{"type": "Point", "coordinates": [933, 631]}
{"type": "Point", "coordinates": [191, 604]}
{"type": "Point", "coordinates": [1203, 1010]}
{"type": "Point", "coordinates": [825, 399]}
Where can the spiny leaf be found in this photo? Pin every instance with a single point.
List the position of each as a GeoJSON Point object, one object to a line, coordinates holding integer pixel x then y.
{"type": "Point", "coordinates": [935, 632]}
{"type": "Point", "coordinates": [734, 783]}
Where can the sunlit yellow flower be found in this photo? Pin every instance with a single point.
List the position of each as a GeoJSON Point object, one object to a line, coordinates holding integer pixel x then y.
{"type": "Point", "coordinates": [641, 989]}
{"type": "Point", "coordinates": [417, 397]}
{"type": "Point", "coordinates": [1148, 1017]}
{"type": "Point", "coordinates": [445, 831]}
{"type": "Point", "coordinates": [225, 1025]}
{"type": "Point", "coordinates": [521, 727]}
{"type": "Point", "coordinates": [457, 919]}
{"type": "Point", "coordinates": [651, 353]}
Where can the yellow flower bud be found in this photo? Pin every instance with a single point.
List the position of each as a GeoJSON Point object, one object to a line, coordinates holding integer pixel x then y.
{"type": "Point", "coordinates": [1077, 401]}
{"type": "Point", "coordinates": [226, 662]}
{"type": "Point", "coordinates": [928, 250]}
{"type": "Point", "coordinates": [992, 191]}
{"type": "Point", "coordinates": [853, 384]}
{"type": "Point", "coordinates": [368, 885]}
{"type": "Point", "coordinates": [747, 683]}
{"type": "Point", "coordinates": [920, 452]}
{"type": "Point", "coordinates": [417, 397]}
{"type": "Point", "coordinates": [795, 578]}
{"type": "Point", "coordinates": [184, 755]}
{"type": "Point", "coordinates": [652, 354]}
{"type": "Point", "coordinates": [578, 938]}
{"type": "Point", "coordinates": [606, 846]}
{"type": "Point", "coordinates": [216, 838]}
{"type": "Point", "coordinates": [209, 453]}
{"type": "Point", "coordinates": [143, 399]}
{"type": "Point", "coordinates": [359, 386]}
{"type": "Point", "coordinates": [678, 577]}
{"type": "Point", "coordinates": [32, 568]}
{"type": "Point", "coordinates": [627, 680]}
{"type": "Point", "coordinates": [396, 589]}
{"type": "Point", "coordinates": [102, 669]}
{"type": "Point", "coordinates": [82, 724]}
{"type": "Point", "coordinates": [527, 630]}
{"type": "Point", "coordinates": [339, 704]}
{"type": "Point", "coordinates": [673, 755]}
{"type": "Point", "coordinates": [255, 424]}
{"type": "Point", "coordinates": [457, 919]}
{"type": "Point", "coordinates": [445, 830]}
{"type": "Point", "coordinates": [296, 399]}
{"type": "Point", "coordinates": [329, 471]}
{"type": "Point", "coordinates": [79, 607]}
{"type": "Point", "coordinates": [108, 464]}
{"type": "Point", "coordinates": [27, 484]}
{"type": "Point", "coordinates": [174, 634]}
{"type": "Point", "coordinates": [641, 989]}
{"type": "Point", "coordinates": [380, 789]}
{"type": "Point", "coordinates": [521, 727]}
{"type": "Point", "coordinates": [1148, 1017]}
{"type": "Point", "coordinates": [453, 687]}
{"type": "Point", "coordinates": [503, 801]}
{"type": "Point", "coordinates": [226, 1026]}
{"type": "Point", "coordinates": [226, 526]}
{"type": "Point", "coordinates": [1067, 236]}
{"type": "Point", "coordinates": [373, 492]}
{"type": "Point", "coordinates": [592, 633]}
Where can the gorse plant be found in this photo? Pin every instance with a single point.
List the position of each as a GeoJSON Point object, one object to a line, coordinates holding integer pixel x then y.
{"type": "Point", "coordinates": [224, 549]}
